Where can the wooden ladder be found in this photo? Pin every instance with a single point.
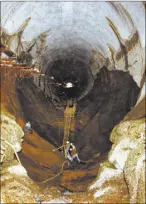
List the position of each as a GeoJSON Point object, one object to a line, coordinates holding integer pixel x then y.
{"type": "Point", "coordinates": [69, 123]}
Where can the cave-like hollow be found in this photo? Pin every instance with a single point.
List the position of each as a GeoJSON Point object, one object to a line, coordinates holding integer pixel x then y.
{"type": "Point", "coordinates": [80, 56]}
{"type": "Point", "coordinates": [102, 102]}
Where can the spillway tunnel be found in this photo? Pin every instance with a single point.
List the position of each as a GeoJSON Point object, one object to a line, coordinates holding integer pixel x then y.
{"type": "Point", "coordinates": [72, 102]}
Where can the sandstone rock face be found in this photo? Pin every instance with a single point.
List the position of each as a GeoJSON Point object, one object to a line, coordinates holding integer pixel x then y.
{"type": "Point", "coordinates": [122, 178]}
{"type": "Point", "coordinates": [11, 138]}
{"type": "Point", "coordinates": [16, 186]}
{"type": "Point", "coordinates": [109, 187]}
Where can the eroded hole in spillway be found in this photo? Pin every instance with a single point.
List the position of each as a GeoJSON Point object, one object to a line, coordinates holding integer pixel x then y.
{"type": "Point", "coordinates": [111, 96]}
{"type": "Point", "coordinates": [73, 53]}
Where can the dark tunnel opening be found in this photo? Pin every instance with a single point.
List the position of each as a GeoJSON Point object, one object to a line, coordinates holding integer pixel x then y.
{"type": "Point", "coordinates": [68, 78]}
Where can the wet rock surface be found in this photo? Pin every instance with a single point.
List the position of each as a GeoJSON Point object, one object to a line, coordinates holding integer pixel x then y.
{"type": "Point", "coordinates": [103, 107]}
{"type": "Point", "coordinates": [38, 158]}
{"type": "Point", "coordinates": [78, 179]}
{"type": "Point", "coordinates": [39, 111]}
{"type": "Point", "coordinates": [108, 102]}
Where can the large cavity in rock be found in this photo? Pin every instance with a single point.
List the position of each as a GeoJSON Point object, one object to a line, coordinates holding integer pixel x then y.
{"type": "Point", "coordinates": [85, 54]}
{"type": "Point", "coordinates": [112, 95]}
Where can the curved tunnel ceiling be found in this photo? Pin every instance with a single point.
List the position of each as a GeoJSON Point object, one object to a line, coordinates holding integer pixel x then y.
{"type": "Point", "coordinates": [85, 20]}
{"type": "Point", "coordinates": [76, 28]}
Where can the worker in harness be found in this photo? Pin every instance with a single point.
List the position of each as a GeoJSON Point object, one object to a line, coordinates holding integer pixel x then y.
{"type": "Point", "coordinates": [71, 154]}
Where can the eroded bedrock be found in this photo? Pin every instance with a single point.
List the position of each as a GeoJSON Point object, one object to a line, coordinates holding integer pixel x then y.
{"type": "Point", "coordinates": [113, 94]}
{"type": "Point", "coordinates": [92, 53]}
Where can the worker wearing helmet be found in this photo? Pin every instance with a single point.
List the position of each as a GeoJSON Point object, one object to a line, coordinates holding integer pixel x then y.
{"type": "Point", "coordinates": [71, 153]}
{"type": "Point", "coordinates": [67, 147]}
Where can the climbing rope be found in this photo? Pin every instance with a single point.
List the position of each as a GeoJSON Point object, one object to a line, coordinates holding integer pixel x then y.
{"type": "Point", "coordinates": [53, 176]}
{"type": "Point", "coordinates": [21, 164]}
{"type": "Point", "coordinates": [49, 179]}
{"type": "Point", "coordinates": [62, 168]}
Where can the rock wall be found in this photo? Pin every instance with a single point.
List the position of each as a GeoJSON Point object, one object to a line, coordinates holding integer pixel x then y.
{"type": "Point", "coordinates": [16, 186]}
{"type": "Point", "coordinates": [11, 137]}
{"type": "Point", "coordinates": [122, 178]}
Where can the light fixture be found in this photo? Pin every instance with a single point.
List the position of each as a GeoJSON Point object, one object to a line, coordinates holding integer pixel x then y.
{"type": "Point", "coordinates": [69, 85]}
